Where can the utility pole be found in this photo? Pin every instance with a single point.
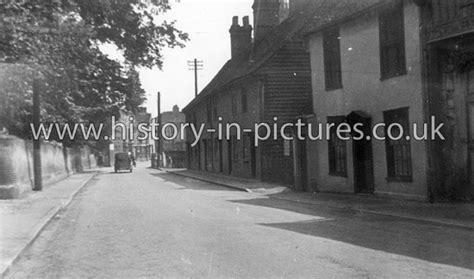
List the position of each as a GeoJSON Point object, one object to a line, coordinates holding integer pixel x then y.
{"type": "Point", "coordinates": [38, 177]}
{"type": "Point", "coordinates": [158, 143]}
{"type": "Point", "coordinates": [195, 65]}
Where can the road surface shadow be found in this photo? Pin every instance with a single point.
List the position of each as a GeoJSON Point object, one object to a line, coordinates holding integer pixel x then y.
{"type": "Point", "coordinates": [189, 183]}
{"type": "Point", "coordinates": [421, 240]}
{"type": "Point", "coordinates": [117, 173]}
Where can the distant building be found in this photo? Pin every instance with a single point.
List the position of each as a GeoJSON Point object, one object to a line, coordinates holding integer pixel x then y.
{"type": "Point", "coordinates": [121, 143]}
{"type": "Point", "coordinates": [173, 152]}
{"type": "Point", "coordinates": [142, 148]}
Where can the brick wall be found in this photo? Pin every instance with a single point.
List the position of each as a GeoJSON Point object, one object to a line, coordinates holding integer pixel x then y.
{"type": "Point", "coordinates": [16, 164]}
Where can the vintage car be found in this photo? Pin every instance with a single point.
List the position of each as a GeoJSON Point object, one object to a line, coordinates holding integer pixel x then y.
{"type": "Point", "coordinates": [123, 162]}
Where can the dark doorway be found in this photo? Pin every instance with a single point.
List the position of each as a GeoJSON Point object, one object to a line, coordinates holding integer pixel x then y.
{"type": "Point", "coordinates": [253, 159]}
{"type": "Point", "coordinates": [229, 155]}
{"type": "Point", "coordinates": [221, 155]}
{"type": "Point", "coordinates": [300, 162]}
{"type": "Point", "coordinates": [303, 164]}
{"type": "Point", "coordinates": [205, 155]}
{"type": "Point", "coordinates": [362, 153]}
{"type": "Point", "coordinates": [470, 125]}
{"type": "Point", "coordinates": [198, 157]}
{"type": "Point", "coordinates": [190, 155]}
{"type": "Point", "coordinates": [211, 166]}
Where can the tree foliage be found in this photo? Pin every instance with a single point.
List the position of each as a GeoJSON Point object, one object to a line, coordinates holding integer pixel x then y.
{"type": "Point", "coordinates": [59, 41]}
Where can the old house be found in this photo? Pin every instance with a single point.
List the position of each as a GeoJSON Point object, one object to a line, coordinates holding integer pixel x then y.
{"type": "Point", "coordinates": [143, 144]}
{"type": "Point", "coordinates": [173, 148]}
{"type": "Point", "coordinates": [267, 77]}
{"type": "Point", "coordinates": [371, 64]}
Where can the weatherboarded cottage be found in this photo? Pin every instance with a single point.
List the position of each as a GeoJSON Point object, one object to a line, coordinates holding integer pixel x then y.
{"type": "Point", "coordinates": [267, 80]}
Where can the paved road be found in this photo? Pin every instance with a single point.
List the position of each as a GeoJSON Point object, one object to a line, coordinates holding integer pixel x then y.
{"type": "Point", "coordinates": [153, 224]}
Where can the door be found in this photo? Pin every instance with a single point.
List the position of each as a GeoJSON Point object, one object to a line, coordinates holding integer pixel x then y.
{"type": "Point", "coordinates": [229, 155]}
{"type": "Point", "coordinates": [300, 164]}
{"type": "Point", "coordinates": [198, 153]}
{"type": "Point", "coordinates": [211, 166]}
{"type": "Point", "coordinates": [363, 166]}
{"type": "Point", "coordinates": [470, 126]}
{"type": "Point", "coordinates": [221, 155]}
{"type": "Point", "coordinates": [362, 155]}
{"type": "Point", "coordinates": [253, 158]}
{"type": "Point", "coordinates": [206, 153]}
{"type": "Point", "coordinates": [300, 167]}
{"type": "Point", "coordinates": [303, 165]}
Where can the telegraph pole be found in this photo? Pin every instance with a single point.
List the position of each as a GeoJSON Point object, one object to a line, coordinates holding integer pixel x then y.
{"type": "Point", "coordinates": [195, 65]}
{"type": "Point", "coordinates": [38, 177]}
{"type": "Point", "coordinates": [158, 119]}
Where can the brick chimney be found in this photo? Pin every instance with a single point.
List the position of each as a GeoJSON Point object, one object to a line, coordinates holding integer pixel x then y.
{"type": "Point", "coordinates": [175, 109]}
{"type": "Point", "coordinates": [240, 37]}
{"type": "Point", "coordinates": [266, 15]}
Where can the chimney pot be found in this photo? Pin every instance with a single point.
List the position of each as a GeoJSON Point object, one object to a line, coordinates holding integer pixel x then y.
{"type": "Point", "coordinates": [235, 20]}
{"type": "Point", "coordinates": [246, 21]}
{"type": "Point", "coordinates": [241, 37]}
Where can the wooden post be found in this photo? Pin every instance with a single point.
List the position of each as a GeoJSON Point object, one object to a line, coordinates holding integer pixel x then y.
{"type": "Point", "coordinates": [158, 145]}
{"type": "Point", "coordinates": [38, 177]}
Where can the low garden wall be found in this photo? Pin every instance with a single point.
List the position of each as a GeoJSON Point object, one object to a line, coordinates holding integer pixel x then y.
{"type": "Point", "coordinates": [58, 162]}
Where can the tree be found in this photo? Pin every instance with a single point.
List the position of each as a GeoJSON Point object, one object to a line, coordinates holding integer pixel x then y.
{"type": "Point", "coordinates": [132, 26]}
{"type": "Point", "coordinates": [59, 40]}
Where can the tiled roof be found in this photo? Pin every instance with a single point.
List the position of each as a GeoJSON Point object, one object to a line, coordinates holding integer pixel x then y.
{"type": "Point", "coordinates": [318, 14]}
{"type": "Point", "coordinates": [329, 12]}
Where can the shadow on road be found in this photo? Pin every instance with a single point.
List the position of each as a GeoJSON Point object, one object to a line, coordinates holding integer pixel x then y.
{"type": "Point", "coordinates": [116, 173]}
{"type": "Point", "coordinates": [424, 241]}
{"type": "Point", "coordinates": [189, 183]}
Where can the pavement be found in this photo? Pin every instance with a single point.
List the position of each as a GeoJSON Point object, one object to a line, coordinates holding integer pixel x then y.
{"type": "Point", "coordinates": [237, 183]}
{"type": "Point", "coordinates": [22, 220]}
{"type": "Point", "coordinates": [447, 214]}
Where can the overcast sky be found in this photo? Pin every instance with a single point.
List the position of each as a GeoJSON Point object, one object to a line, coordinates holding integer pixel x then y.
{"type": "Point", "coordinates": [207, 22]}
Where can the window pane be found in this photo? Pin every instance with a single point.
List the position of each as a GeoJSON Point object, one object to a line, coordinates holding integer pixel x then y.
{"type": "Point", "coordinates": [392, 41]}
{"type": "Point", "coordinates": [337, 150]}
{"type": "Point", "coordinates": [398, 151]}
{"type": "Point", "coordinates": [332, 59]}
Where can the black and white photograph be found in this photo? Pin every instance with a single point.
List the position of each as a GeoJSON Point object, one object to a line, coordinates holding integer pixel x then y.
{"type": "Point", "coordinates": [236, 139]}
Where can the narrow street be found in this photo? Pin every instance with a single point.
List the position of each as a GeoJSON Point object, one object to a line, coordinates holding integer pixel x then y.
{"type": "Point", "coordinates": [152, 224]}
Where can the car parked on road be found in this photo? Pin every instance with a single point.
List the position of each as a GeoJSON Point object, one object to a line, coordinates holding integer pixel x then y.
{"type": "Point", "coordinates": [123, 161]}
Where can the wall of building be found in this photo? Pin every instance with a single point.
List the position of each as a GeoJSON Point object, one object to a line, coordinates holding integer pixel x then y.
{"type": "Point", "coordinates": [287, 93]}
{"type": "Point", "coordinates": [142, 148]}
{"type": "Point", "coordinates": [239, 166]}
{"type": "Point", "coordinates": [177, 118]}
{"type": "Point", "coordinates": [281, 88]}
{"type": "Point", "coordinates": [16, 164]}
{"type": "Point", "coordinates": [242, 166]}
{"type": "Point", "coordinates": [363, 90]}
{"type": "Point", "coordinates": [174, 151]}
